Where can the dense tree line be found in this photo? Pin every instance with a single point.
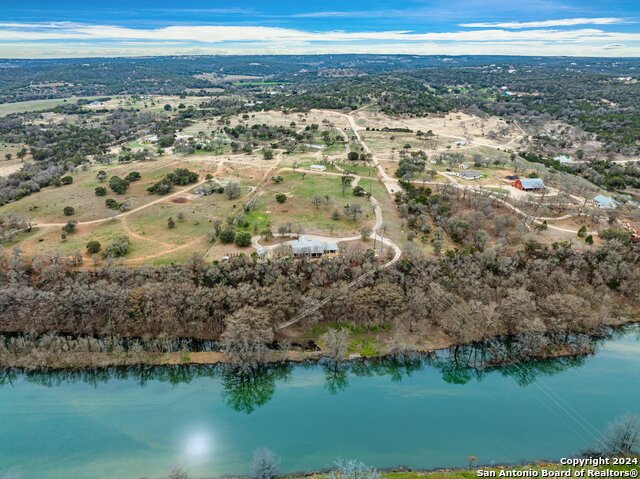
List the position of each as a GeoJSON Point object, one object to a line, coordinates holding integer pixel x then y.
{"type": "Point", "coordinates": [539, 290]}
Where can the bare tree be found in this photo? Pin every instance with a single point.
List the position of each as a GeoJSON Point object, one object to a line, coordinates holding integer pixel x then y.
{"type": "Point", "coordinates": [352, 470]}
{"type": "Point", "coordinates": [178, 473]}
{"type": "Point", "coordinates": [622, 436]}
{"type": "Point", "coordinates": [336, 343]}
{"type": "Point", "coordinates": [232, 190]}
{"type": "Point", "coordinates": [265, 464]}
{"type": "Point", "coordinates": [246, 335]}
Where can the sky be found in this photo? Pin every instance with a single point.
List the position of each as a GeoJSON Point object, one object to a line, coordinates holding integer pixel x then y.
{"type": "Point", "coordinates": [88, 28]}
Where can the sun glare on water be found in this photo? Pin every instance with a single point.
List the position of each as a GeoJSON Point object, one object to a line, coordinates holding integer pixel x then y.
{"type": "Point", "coordinates": [198, 445]}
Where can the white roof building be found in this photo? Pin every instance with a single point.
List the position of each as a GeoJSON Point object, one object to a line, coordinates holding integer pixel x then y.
{"type": "Point", "coordinates": [605, 202]}
{"type": "Point", "coordinates": [304, 246]}
{"type": "Point", "coordinates": [470, 175]}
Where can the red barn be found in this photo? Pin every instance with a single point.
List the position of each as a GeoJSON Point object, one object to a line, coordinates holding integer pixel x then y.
{"type": "Point", "coordinates": [529, 184]}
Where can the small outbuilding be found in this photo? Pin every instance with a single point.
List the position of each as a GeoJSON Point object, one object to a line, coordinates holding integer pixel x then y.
{"type": "Point", "coordinates": [605, 202]}
{"type": "Point", "coordinates": [470, 175]}
{"type": "Point", "coordinates": [529, 184]}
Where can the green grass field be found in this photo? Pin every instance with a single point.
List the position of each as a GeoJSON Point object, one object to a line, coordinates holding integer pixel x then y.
{"type": "Point", "coordinates": [37, 105]}
{"type": "Point", "coordinates": [300, 211]}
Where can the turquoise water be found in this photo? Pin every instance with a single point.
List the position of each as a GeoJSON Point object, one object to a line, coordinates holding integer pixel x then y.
{"type": "Point", "coordinates": [419, 413]}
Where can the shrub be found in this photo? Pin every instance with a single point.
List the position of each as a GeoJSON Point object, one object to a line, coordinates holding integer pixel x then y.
{"type": "Point", "coordinates": [117, 249]}
{"type": "Point", "coordinates": [118, 185]}
{"type": "Point", "coordinates": [281, 197]}
{"type": "Point", "coordinates": [243, 239]}
{"type": "Point", "coordinates": [93, 247]}
{"type": "Point", "coordinates": [582, 232]}
{"type": "Point", "coordinates": [69, 210]}
{"type": "Point", "coordinates": [162, 187]}
{"type": "Point", "coordinates": [359, 191]}
{"type": "Point", "coordinates": [133, 176]}
{"type": "Point", "coordinates": [180, 176]}
{"type": "Point", "coordinates": [70, 227]}
{"type": "Point", "coordinates": [101, 191]}
{"type": "Point", "coordinates": [615, 234]}
{"type": "Point", "coordinates": [112, 204]}
{"type": "Point", "coordinates": [227, 235]}
{"type": "Point", "coordinates": [166, 141]}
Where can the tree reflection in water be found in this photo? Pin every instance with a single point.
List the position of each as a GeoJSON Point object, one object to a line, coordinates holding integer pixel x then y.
{"type": "Point", "coordinates": [245, 390]}
{"type": "Point", "coordinates": [336, 375]}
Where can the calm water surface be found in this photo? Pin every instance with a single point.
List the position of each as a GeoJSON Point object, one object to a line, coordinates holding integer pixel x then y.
{"type": "Point", "coordinates": [420, 413]}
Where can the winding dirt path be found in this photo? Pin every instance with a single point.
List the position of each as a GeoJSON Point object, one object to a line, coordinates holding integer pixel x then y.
{"type": "Point", "coordinates": [393, 185]}
{"type": "Point", "coordinates": [130, 212]}
{"type": "Point", "coordinates": [252, 194]}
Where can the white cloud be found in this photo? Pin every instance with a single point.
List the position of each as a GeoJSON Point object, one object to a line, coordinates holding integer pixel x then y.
{"type": "Point", "coordinates": [219, 34]}
{"type": "Point", "coordinates": [565, 22]}
{"type": "Point", "coordinates": [33, 39]}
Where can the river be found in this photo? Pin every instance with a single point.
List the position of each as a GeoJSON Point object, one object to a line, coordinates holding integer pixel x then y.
{"type": "Point", "coordinates": [419, 412]}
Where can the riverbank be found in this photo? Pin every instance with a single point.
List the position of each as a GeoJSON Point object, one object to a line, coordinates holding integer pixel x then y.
{"type": "Point", "coordinates": [360, 348]}
{"type": "Point", "coordinates": [44, 360]}
{"type": "Point", "coordinates": [537, 470]}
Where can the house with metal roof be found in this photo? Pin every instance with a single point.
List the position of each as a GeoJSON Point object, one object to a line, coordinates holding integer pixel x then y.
{"type": "Point", "coordinates": [469, 175]}
{"type": "Point", "coordinates": [605, 202]}
{"type": "Point", "coordinates": [307, 247]}
{"type": "Point", "coordinates": [529, 184]}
